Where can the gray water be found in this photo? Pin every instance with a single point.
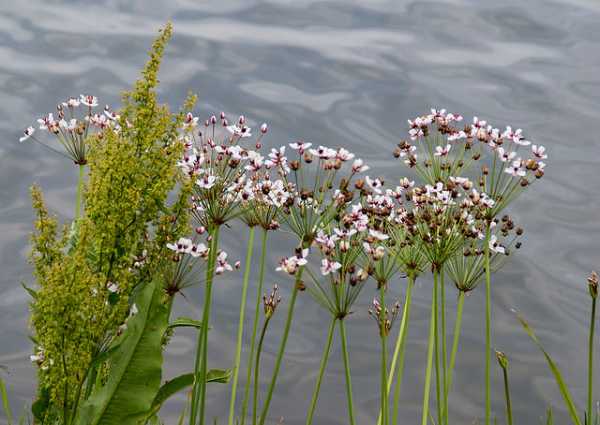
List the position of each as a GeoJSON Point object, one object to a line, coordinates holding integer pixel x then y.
{"type": "Point", "coordinates": [337, 73]}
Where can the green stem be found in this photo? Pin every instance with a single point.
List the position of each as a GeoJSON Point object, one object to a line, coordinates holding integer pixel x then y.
{"type": "Point", "coordinates": [455, 341]}
{"type": "Point", "coordinates": [436, 337]}
{"type": "Point", "coordinates": [324, 359]}
{"type": "Point", "coordinates": [257, 370]}
{"type": "Point", "coordinates": [238, 350]}
{"type": "Point", "coordinates": [427, 388]}
{"type": "Point", "coordinates": [591, 363]}
{"type": "Point", "coordinates": [507, 395]}
{"type": "Point", "coordinates": [347, 371]}
{"type": "Point", "coordinates": [444, 351]}
{"type": "Point", "coordinates": [199, 388]}
{"type": "Point", "coordinates": [488, 325]}
{"type": "Point", "coordinates": [5, 402]}
{"type": "Point", "coordinates": [261, 278]}
{"type": "Point", "coordinates": [400, 344]}
{"type": "Point", "coordinates": [79, 191]}
{"type": "Point", "coordinates": [286, 331]}
{"type": "Point", "coordinates": [383, 331]}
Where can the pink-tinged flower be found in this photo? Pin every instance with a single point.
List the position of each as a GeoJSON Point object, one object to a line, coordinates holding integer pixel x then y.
{"type": "Point", "coordinates": [239, 130]}
{"type": "Point", "coordinates": [199, 250]}
{"type": "Point", "coordinates": [539, 151]}
{"type": "Point", "coordinates": [27, 134]}
{"type": "Point", "coordinates": [375, 184]}
{"type": "Point", "coordinates": [323, 152]}
{"type": "Point", "coordinates": [278, 158]}
{"type": "Point", "coordinates": [378, 235]}
{"type": "Point", "coordinates": [222, 264]}
{"type": "Point", "coordinates": [291, 264]}
{"type": "Point", "coordinates": [48, 122]}
{"type": "Point", "coordinates": [505, 156]}
{"type": "Point", "coordinates": [328, 267]}
{"type": "Point", "coordinates": [516, 136]}
{"type": "Point", "coordinates": [457, 135]}
{"type": "Point", "coordinates": [344, 155]}
{"type": "Point", "coordinates": [442, 151]}
{"type": "Point", "coordinates": [516, 169]}
{"type": "Point", "coordinates": [89, 100]}
{"type": "Point", "coordinates": [495, 245]}
{"type": "Point", "coordinates": [206, 182]}
{"type": "Point", "coordinates": [359, 166]}
{"type": "Point", "coordinates": [325, 241]}
{"type": "Point", "coordinates": [112, 287]}
{"type": "Point", "coordinates": [71, 102]}
{"type": "Point", "coordinates": [406, 183]}
{"type": "Point", "coordinates": [183, 246]}
{"type": "Point", "coordinates": [190, 121]}
{"type": "Point", "coordinates": [300, 146]}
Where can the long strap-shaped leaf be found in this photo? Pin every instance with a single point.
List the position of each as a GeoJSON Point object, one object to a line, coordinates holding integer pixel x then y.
{"type": "Point", "coordinates": [134, 367]}
{"type": "Point", "coordinates": [562, 386]}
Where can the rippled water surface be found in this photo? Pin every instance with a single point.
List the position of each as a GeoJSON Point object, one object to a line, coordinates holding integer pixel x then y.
{"type": "Point", "coordinates": [337, 73]}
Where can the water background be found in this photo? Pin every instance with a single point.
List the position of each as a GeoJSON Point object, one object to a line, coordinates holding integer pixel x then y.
{"type": "Point", "coordinates": [335, 73]}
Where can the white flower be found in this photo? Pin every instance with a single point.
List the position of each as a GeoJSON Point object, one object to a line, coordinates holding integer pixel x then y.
{"type": "Point", "coordinates": [183, 246]}
{"type": "Point", "coordinates": [190, 121]}
{"type": "Point", "coordinates": [199, 250]}
{"type": "Point", "coordinates": [323, 152]}
{"type": "Point", "coordinates": [72, 102]}
{"type": "Point", "coordinates": [375, 184]}
{"type": "Point", "coordinates": [358, 166]}
{"type": "Point", "coordinates": [291, 264]}
{"type": "Point", "coordinates": [328, 267]}
{"type": "Point", "coordinates": [112, 287]}
{"type": "Point", "coordinates": [539, 151]}
{"type": "Point", "coordinates": [206, 182]}
{"type": "Point", "coordinates": [27, 134]}
{"type": "Point", "coordinates": [222, 264]}
{"type": "Point", "coordinates": [378, 235]}
{"type": "Point", "coordinates": [442, 151]}
{"type": "Point", "coordinates": [506, 156]}
{"type": "Point", "coordinates": [516, 170]}
{"type": "Point", "coordinates": [133, 310]}
{"type": "Point", "coordinates": [300, 146]}
{"type": "Point", "coordinates": [495, 246]}
{"type": "Point", "coordinates": [239, 130]}
{"type": "Point", "coordinates": [344, 155]}
{"type": "Point", "coordinates": [89, 100]}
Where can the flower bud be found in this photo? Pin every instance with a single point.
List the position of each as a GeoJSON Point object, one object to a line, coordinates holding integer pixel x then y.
{"type": "Point", "coordinates": [502, 359]}
{"type": "Point", "coordinates": [263, 128]}
{"type": "Point", "coordinates": [593, 284]}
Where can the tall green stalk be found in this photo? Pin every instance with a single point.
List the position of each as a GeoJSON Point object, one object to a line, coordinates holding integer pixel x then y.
{"type": "Point", "coordinates": [79, 191]}
{"type": "Point", "coordinates": [488, 325]}
{"type": "Point", "coordinates": [436, 338]}
{"type": "Point", "coordinates": [399, 351]}
{"type": "Point", "coordinates": [286, 331]}
{"type": "Point", "coordinates": [591, 363]}
{"type": "Point", "coordinates": [200, 368]}
{"type": "Point", "coordinates": [347, 371]}
{"type": "Point", "coordinates": [383, 331]}
{"type": "Point", "coordinates": [427, 388]}
{"type": "Point", "coordinates": [324, 359]}
{"type": "Point", "coordinates": [455, 341]}
{"type": "Point", "coordinates": [240, 333]}
{"type": "Point", "coordinates": [507, 397]}
{"type": "Point", "coordinates": [261, 278]}
{"type": "Point", "coordinates": [5, 402]}
{"type": "Point", "coordinates": [257, 369]}
{"type": "Point", "coordinates": [444, 352]}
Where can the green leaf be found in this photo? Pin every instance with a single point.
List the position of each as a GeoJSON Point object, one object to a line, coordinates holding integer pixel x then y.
{"type": "Point", "coordinates": [185, 322]}
{"type": "Point", "coordinates": [30, 291]}
{"type": "Point", "coordinates": [562, 386]}
{"type": "Point", "coordinates": [135, 363]}
{"type": "Point", "coordinates": [184, 381]}
{"type": "Point", "coordinates": [40, 406]}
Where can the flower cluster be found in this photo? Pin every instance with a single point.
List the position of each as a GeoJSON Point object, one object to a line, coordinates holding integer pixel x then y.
{"type": "Point", "coordinates": [383, 317]}
{"type": "Point", "coordinates": [271, 302]}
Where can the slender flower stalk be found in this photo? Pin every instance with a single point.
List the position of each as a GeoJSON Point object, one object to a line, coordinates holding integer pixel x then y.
{"type": "Point", "coordinates": [323, 365]}
{"type": "Point", "coordinates": [347, 372]}
{"type": "Point", "coordinates": [436, 343]}
{"type": "Point", "coordinates": [488, 326]}
{"type": "Point", "coordinates": [240, 333]}
{"type": "Point", "coordinates": [444, 352]}
{"type": "Point", "coordinates": [455, 341]}
{"type": "Point", "coordinates": [593, 282]}
{"type": "Point", "coordinates": [430, 344]}
{"type": "Point", "coordinates": [503, 361]}
{"type": "Point", "coordinates": [286, 331]}
{"type": "Point", "coordinates": [200, 367]}
{"type": "Point", "coordinates": [261, 278]}
{"type": "Point", "coordinates": [78, 200]}
{"type": "Point", "coordinates": [397, 365]}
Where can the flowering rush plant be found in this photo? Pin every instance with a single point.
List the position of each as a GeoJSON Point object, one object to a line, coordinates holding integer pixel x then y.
{"type": "Point", "coordinates": [155, 191]}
